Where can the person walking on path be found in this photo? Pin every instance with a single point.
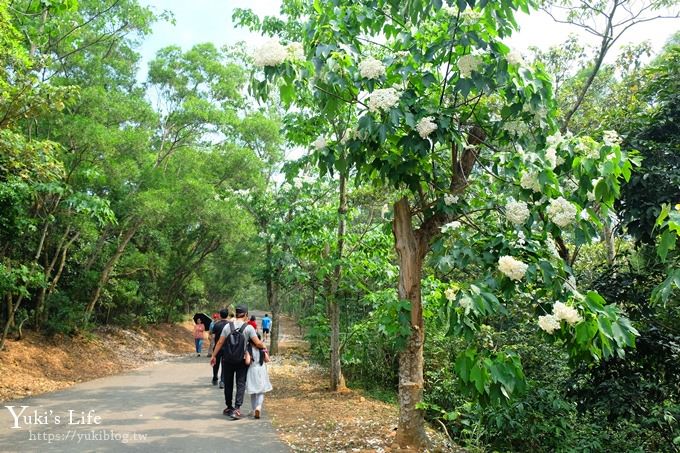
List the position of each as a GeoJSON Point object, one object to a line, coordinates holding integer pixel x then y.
{"type": "Point", "coordinates": [233, 359]}
{"type": "Point", "coordinates": [215, 318]}
{"type": "Point", "coordinates": [253, 322]}
{"type": "Point", "coordinates": [257, 382]}
{"type": "Point", "coordinates": [266, 326]}
{"type": "Point", "coordinates": [216, 330]}
{"type": "Point", "coordinates": [199, 331]}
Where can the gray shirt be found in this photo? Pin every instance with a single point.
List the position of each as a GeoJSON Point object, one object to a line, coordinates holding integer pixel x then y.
{"type": "Point", "coordinates": [248, 332]}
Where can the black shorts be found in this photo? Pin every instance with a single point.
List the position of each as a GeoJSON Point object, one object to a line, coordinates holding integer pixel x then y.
{"type": "Point", "coordinates": [265, 330]}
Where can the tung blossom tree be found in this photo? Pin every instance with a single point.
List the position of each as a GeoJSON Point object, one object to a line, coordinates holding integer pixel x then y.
{"type": "Point", "coordinates": [454, 121]}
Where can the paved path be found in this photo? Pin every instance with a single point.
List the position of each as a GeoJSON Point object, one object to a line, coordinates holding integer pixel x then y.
{"type": "Point", "coordinates": [169, 406]}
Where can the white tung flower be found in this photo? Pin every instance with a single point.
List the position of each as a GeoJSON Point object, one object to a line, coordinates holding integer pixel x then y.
{"type": "Point", "coordinates": [512, 267]}
{"type": "Point", "coordinates": [426, 126]}
{"type": "Point", "coordinates": [565, 313]}
{"type": "Point", "coordinates": [297, 182]}
{"type": "Point", "coordinates": [561, 212]}
{"type": "Point", "coordinates": [467, 64]}
{"type": "Point", "coordinates": [450, 294]}
{"type": "Point", "coordinates": [450, 199]}
{"type": "Point", "coordinates": [471, 17]}
{"type": "Point", "coordinates": [320, 143]}
{"type": "Point", "coordinates": [270, 53]}
{"type": "Point", "coordinates": [529, 181]}
{"type": "Point", "coordinates": [611, 138]}
{"type": "Point", "coordinates": [521, 238]}
{"type": "Point", "coordinates": [517, 212]}
{"type": "Point", "coordinates": [548, 323]}
{"type": "Point", "coordinates": [551, 157]}
{"type": "Point", "coordinates": [540, 114]}
{"type": "Point", "coordinates": [347, 136]}
{"type": "Point", "coordinates": [383, 99]}
{"type": "Point", "coordinates": [371, 68]}
{"type": "Point", "coordinates": [515, 127]}
{"type": "Point", "coordinates": [590, 150]}
{"type": "Point", "coordinates": [555, 139]}
{"type": "Point", "coordinates": [465, 303]}
{"type": "Point", "coordinates": [514, 58]}
{"type": "Point", "coordinates": [450, 226]}
{"type": "Point", "coordinates": [450, 10]}
{"type": "Point", "coordinates": [295, 51]}
{"type": "Point", "coordinates": [570, 284]}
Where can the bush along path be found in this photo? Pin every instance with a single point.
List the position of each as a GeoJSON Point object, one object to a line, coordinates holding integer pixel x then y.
{"type": "Point", "coordinates": [311, 418]}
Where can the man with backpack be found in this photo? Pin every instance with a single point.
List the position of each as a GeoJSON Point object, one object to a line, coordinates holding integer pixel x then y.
{"type": "Point", "coordinates": [232, 343]}
{"type": "Point", "coordinates": [216, 330]}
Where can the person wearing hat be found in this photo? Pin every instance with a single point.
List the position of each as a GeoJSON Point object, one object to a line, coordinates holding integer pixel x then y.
{"type": "Point", "coordinates": [239, 370]}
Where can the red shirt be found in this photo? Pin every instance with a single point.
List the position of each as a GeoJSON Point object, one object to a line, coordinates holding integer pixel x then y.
{"type": "Point", "coordinates": [254, 324]}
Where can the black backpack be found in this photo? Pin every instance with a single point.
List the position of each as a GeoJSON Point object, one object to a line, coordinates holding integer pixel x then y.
{"type": "Point", "coordinates": [234, 347]}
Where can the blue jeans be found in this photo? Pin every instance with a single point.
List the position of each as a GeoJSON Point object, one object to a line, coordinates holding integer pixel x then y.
{"type": "Point", "coordinates": [199, 344]}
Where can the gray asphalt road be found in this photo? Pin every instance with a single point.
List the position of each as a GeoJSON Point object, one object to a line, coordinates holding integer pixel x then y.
{"type": "Point", "coordinates": [170, 406]}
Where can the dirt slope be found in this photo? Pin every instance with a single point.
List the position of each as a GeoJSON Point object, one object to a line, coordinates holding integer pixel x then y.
{"type": "Point", "coordinates": [36, 365]}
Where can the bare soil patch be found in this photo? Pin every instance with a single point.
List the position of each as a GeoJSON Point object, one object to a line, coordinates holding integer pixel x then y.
{"type": "Point", "coordinates": [37, 364]}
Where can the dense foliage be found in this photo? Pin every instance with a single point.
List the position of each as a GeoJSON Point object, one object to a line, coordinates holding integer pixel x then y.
{"type": "Point", "coordinates": [117, 196]}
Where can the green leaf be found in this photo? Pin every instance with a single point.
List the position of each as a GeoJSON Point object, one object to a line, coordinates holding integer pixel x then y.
{"type": "Point", "coordinates": [605, 327]}
{"type": "Point", "coordinates": [667, 242]}
{"type": "Point", "coordinates": [464, 363]}
{"type": "Point", "coordinates": [586, 331]}
{"type": "Point", "coordinates": [477, 376]}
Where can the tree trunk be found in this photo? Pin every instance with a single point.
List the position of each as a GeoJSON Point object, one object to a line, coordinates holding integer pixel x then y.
{"type": "Point", "coordinates": [10, 321]}
{"type": "Point", "coordinates": [40, 315]}
{"type": "Point", "coordinates": [605, 45]}
{"type": "Point", "coordinates": [272, 296]}
{"type": "Point", "coordinates": [337, 379]}
{"type": "Point", "coordinates": [411, 250]}
{"type": "Point", "coordinates": [608, 236]}
{"type": "Point", "coordinates": [101, 241]}
{"type": "Point", "coordinates": [10, 310]}
{"type": "Point", "coordinates": [110, 264]}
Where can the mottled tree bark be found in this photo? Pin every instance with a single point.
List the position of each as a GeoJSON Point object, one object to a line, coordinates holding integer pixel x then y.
{"type": "Point", "coordinates": [411, 251]}
{"type": "Point", "coordinates": [337, 379]}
